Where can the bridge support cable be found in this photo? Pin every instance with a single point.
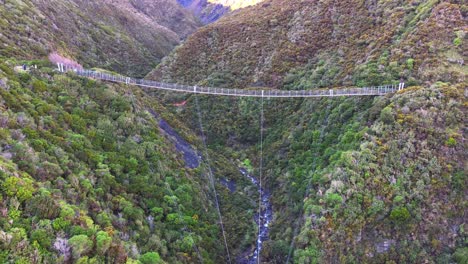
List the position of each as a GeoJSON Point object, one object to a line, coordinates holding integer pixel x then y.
{"type": "Point", "coordinates": [211, 177]}
{"type": "Point", "coordinates": [262, 122]}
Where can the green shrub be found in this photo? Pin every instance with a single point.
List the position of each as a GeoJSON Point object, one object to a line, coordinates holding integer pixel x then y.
{"type": "Point", "coordinates": [248, 165]}
{"type": "Point", "coordinates": [277, 250]}
{"type": "Point", "coordinates": [22, 260]}
{"type": "Point", "coordinates": [39, 144]}
{"type": "Point", "coordinates": [103, 219]}
{"type": "Point", "coordinates": [174, 219]}
{"type": "Point", "coordinates": [43, 206]}
{"type": "Point", "coordinates": [14, 214]}
{"type": "Point", "coordinates": [410, 63]}
{"type": "Point", "coordinates": [451, 142]}
{"type": "Point", "coordinates": [386, 115]}
{"type": "Point", "coordinates": [103, 242]}
{"type": "Point", "coordinates": [150, 258]}
{"type": "Point", "coordinates": [309, 255]}
{"type": "Point", "coordinates": [187, 243]}
{"type": "Point", "coordinates": [376, 207]}
{"type": "Point", "coordinates": [77, 230]}
{"type": "Point", "coordinates": [157, 213]}
{"type": "Point", "coordinates": [67, 212]}
{"type": "Point", "coordinates": [400, 214]}
{"type": "Point", "coordinates": [315, 209]}
{"type": "Point", "coordinates": [83, 260]}
{"type": "Point", "coordinates": [333, 199]}
{"type": "Point", "coordinates": [458, 180]}
{"type": "Point", "coordinates": [39, 86]}
{"type": "Point", "coordinates": [24, 77]}
{"type": "Point", "coordinates": [368, 75]}
{"type": "Point", "coordinates": [21, 188]}
{"type": "Point", "coordinates": [7, 70]}
{"type": "Point", "coordinates": [42, 237]}
{"type": "Point", "coordinates": [457, 42]}
{"type": "Point", "coordinates": [80, 245]}
{"type": "Point", "coordinates": [60, 224]}
{"type": "Point", "coordinates": [398, 199]}
{"type": "Point", "coordinates": [461, 255]}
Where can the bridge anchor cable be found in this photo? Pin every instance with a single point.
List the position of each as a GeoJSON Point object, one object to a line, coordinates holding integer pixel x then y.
{"type": "Point", "coordinates": [211, 178]}
{"type": "Point", "coordinates": [262, 121]}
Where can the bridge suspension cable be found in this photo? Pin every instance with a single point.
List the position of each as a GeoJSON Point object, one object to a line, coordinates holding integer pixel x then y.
{"type": "Point", "coordinates": [262, 119]}
{"type": "Point", "coordinates": [211, 178]}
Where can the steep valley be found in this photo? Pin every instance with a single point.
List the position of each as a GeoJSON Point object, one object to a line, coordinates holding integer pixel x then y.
{"type": "Point", "coordinates": [353, 175]}
{"type": "Point", "coordinates": [353, 180]}
{"type": "Point", "coordinates": [95, 172]}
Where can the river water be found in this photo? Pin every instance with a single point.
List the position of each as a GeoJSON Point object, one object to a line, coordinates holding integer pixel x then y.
{"type": "Point", "coordinates": [192, 160]}
{"type": "Point", "coordinates": [266, 216]}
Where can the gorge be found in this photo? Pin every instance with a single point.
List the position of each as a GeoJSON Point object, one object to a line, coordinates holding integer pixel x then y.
{"type": "Point", "coordinates": [93, 171]}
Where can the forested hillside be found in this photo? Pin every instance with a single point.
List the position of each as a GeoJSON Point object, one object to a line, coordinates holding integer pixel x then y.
{"type": "Point", "coordinates": [94, 172]}
{"type": "Point", "coordinates": [354, 180]}
{"type": "Point", "coordinates": [130, 37]}
{"type": "Point", "coordinates": [372, 180]}
{"type": "Point", "coordinates": [88, 175]}
{"type": "Point", "coordinates": [363, 180]}
{"type": "Point", "coordinates": [333, 43]}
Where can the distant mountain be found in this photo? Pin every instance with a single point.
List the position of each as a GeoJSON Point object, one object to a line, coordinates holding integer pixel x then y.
{"type": "Point", "coordinates": [125, 36]}
{"type": "Point", "coordinates": [332, 42]}
{"type": "Point", "coordinates": [211, 10]}
{"type": "Point", "coordinates": [207, 12]}
{"type": "Point", "coordinates": [236, 4]}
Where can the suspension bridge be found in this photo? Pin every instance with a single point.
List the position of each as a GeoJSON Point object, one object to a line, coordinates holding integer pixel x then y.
{"type": "Point", "coordinates": [267, 93]}
{"type": "Point", "coordinates": [262, 217]}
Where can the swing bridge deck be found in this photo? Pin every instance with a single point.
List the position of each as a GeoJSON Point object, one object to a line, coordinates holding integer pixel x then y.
{"type": "Point", "coordinates": [267, 93]}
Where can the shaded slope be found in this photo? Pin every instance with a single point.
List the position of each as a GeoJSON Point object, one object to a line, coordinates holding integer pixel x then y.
{"type": "Point", "coordinates": [341, 42]}
{"type": "Point", "coordinates": [371, 180]}
{"type": "Point", "coordinates": [126, 36]}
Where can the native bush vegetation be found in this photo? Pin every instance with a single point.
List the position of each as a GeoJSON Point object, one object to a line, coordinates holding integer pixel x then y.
{"type": "Point", "coordinates": [351, 172]}
{"type": "Point", "coordinates": [93, 33]}
{"type": "Point", "coordinates": [302, 45]}
{"type": "Point", "coordinates": [86, 176]}
{"type": "Point", "coordinates": [363, 182]}
{"type": "Point", "coordinates": [360, 179]}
